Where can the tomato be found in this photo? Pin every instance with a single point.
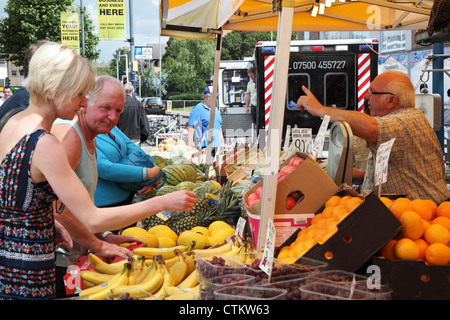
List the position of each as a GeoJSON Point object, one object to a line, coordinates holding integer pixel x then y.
{"type": "Point", "coordinates": [259, 192]}
{"type": "Point", "coordinates": [251, 199]}
{"type": "Point", "coordinates": [281, 176]}
{"type": "Point", "coordinates": [290, 203]}
{"type": "Point", "coordinates": [287, 169]}
{"type": "Point", "coordinates": [296, 161]}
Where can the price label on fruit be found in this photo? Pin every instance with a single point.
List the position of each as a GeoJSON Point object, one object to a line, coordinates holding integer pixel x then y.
{"type": "Point", "coordinates": [267, 258]}
{"type": "Point", "coordinates": [381, 163]}
{"type": "Point", "coordinates": [302, 139]}
{"type": "Point", "coordinates": [320, 138]}
{"type": "Point", "coordinates": [240, 226]}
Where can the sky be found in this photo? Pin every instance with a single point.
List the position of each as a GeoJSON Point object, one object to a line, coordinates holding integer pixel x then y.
{"type": "Point", "coordinates": [145, 25]}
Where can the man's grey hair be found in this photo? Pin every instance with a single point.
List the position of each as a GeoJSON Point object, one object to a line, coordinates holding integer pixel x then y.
{"type": "Point", "coordinates": [99, 81]}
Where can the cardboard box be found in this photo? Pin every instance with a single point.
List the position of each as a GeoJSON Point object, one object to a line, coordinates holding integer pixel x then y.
{"type": "Point", "coordinates": [359, 237]}
{"type": "Point", "coordinates": [414, 280]}
{"type": "Point", "coordinates": [285, 225]}
{"type": "Point", "coordinates": [312, 181]}
{"type": "Point", "coordinates": [308, 178]}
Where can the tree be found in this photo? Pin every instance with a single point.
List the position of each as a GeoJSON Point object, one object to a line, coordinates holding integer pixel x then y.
{"type": "Point", "coordinates": [31, 20]}
{"type": "Point", "coordinates": [189, 64]}
{"type": "Point", "coordinates": [238, 45]}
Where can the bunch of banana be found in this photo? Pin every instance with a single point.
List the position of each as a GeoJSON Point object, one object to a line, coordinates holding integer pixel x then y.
{"type": "Point", "coordinates": [236, 246]}
{"type": "Point", "coordinates": [166, 253]}
{"type": "Point", "coordinates": [177, 293]}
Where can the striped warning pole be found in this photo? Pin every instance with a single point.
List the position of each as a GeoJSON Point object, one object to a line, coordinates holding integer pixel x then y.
{"type": "Point", "coordinates": [269, 64]}
{"type": "Point", "coordinates": [363, 78]}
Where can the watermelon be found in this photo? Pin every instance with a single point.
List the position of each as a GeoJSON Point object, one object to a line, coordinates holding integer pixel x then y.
{"type": "Point", "coordinates": [174, 175]}
{"type": "Point", "coordinates": [159, 161]}
{"type": "Point", "coordinates": [186, 185]}
{"type": "Point", "coordinates": [190, 171]}
{"type": "Point", "coordinates": [166, 189]}
{"type": "Point", "coordinates": [213, 185]}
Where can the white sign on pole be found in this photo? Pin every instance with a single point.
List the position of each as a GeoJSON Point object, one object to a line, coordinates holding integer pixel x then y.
{"type": "Point", "coordinates": [267, 258]}
{"type": "Point", "coordinates": [143, 53]}
{"type": "Point", "coordinates": [302, 139]}
{"type": "Point", "coordinates": [320, 138]}
{"type": "Point", "coordinates": [381, 164]}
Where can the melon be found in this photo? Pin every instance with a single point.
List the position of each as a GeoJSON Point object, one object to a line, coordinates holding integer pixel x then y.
{"type": "Point", "coordinates": [174, 175]}
{"type": "Point", "coordinates": [165, 190]}
{"type": "Point", "coordinates": [186, 185]}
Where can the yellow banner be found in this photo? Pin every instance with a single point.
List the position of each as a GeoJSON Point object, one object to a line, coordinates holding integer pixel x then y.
{"type": "Point", "coordinates": [111, 19]}
{"type": "Point", "coordinates": [70, 29]}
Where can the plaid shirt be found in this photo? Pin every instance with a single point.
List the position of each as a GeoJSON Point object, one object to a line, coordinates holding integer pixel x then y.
{"type": "Point", "coordinates": [416, 164]}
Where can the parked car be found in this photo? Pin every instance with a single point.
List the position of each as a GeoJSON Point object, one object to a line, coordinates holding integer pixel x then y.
{"type": "Point", "coordinates": [154, 105]}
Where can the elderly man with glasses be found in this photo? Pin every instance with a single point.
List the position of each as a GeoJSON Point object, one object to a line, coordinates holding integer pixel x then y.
{"type": "Point", "coordinates": [416, 167]}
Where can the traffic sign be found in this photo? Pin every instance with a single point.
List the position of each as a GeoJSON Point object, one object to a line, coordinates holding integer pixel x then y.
{"type": "Point", "coordinates": [143, 53]}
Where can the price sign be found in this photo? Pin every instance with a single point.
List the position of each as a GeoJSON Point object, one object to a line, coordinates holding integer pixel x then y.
{"type": "Point", "coordinates": [240, 227]}
{"type": "Point", "coordinates": [381, 163]}
{"type": "Point", "coordinates": [320, 138]}
{"type": "Point", "coordinates": [267, 258]}
{"type": "Point", "coordinates": [302, 140]}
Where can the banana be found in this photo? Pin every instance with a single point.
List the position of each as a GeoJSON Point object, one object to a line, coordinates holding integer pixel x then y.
{"type": "Point", "coordinates": [180, 269]}
{"type": "Point", "coordinates": [217, 250]}
{"type": "Point", "coordinates": [111, 268]}
{"type": "Point", "coordinates": [170, 291]}
{"type": "Point", "coordinates": [101, 295]}
{"type": "Point", "coordinates": [170, 262]}
{"type": "Point", "coordinates": [166, 253]}
{"type": "Point", "coordinates": [149, 285]}
{"type": "Point", "coordinates": [188, 257]}
{"type": "Point", "coordinates": [147, 271]}
{"type": "Point", "coordinates": [95, 277]}
{"type": "Point", "coordinates": [168, 282]}
{"type": "Point", "coordinates": [107, 285]}
{"type": "Point", "coordinates": [95, 260]}
{"type": "Point", "coordinates": [237, 249]}
{"type": "Point", "coordinates": [88, 284]}
{"type": "Point", "coordinates": [136, 270]}
{"type": "Point", "coordinates": [190, 281]}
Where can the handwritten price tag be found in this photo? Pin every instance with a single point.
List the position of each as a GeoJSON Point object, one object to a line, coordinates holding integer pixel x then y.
{"type": "Point", "coordinates": [320, 138]}
{"type": "Point", "coordinates": [267, 258]}
{"type": "Point", "coordinates": [381, 164]}
{"type": "Point", "coordinates": [302, 140]}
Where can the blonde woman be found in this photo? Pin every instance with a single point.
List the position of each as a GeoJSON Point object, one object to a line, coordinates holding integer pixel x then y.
{"type": "Point", "coordinates": [35, 172]}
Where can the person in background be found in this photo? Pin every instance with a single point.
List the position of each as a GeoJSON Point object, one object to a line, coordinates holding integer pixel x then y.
{"type": "Point", "coordinates": [77, 136]}
{"type": "Point", "coordinates": [198, 125]}
{"type": "Point", "coordinates": [58, 82]}
{"type": "Point", "coordinates": [7, 93]}
{"type": "Point", "coordinates": [113, 173]}
{"type": "Point", "coordinates": [251, 100]}
{"type": "Point", "coordinates": [416, 167]}
{"type": "Point", "coordinates": [133, 120]}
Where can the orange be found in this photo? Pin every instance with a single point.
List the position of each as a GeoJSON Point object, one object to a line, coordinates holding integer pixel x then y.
{"type": "Point", "coordinates": [443, 210]}
{"type": "Point", "coordinates": [426, 224]}
{"type": "Point", "coordinates": [328, 212]}
{"type": "Point", "coordinates": [402, 199]}
{"type": "Point", "coordinates": [330, 233]}
{"type": "Point", "coordinates": [285, 252]}
{"type": "Point", "coordinates": [444, 221]}
{"type": "Point", "coordinates": [387, 202]}
{"type": "Point", "coordinates": [398, 207]}
{"type": "Point", "coordinates": [318, 234]}
{"type": "Point", "coordinates": [422, 208]}
{"type": "Point", "coordinates": [344, 199]}
{"type": "Point", "coordinates": [412, 225]}
{"type": "Point", "coordinates": [352, 203]}
{"type": "Point", "coordinates": [388, 250]}
{"type": "Point", "coordinates": [333, 201]}
{"type": "Point", "coordinates": [406, 249]}
{"type": "Point", "coordinates": [432, 205]}
{"type": "Point", "coordinates": [316, 218]}
{"type": "Point", "coordinates": [437, 233]}
{"type": "Point", "coordinates": [423, 245]}
{"type": "Point", "coordinates": [437, 254]}
{"type": "Point", "coordinates": [340, 211]}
